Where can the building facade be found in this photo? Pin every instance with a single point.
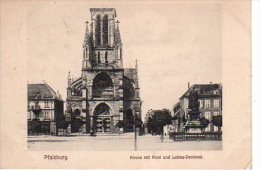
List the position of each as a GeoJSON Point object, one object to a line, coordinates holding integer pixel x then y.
{"type": "Point", "coordinates": [105, 93]}
{"type": "Point", "coordinates": [44, 109]}
{"type": "Point", "coordinates": [210, 105]}
{"type": "Point", "coordinates": [176, 121]}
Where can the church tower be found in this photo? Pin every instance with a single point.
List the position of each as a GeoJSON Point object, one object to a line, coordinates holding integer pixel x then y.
{"type": "Point", "coordinates": [105, 98]}
{"type": "Point", "coordinates": [104, 40]}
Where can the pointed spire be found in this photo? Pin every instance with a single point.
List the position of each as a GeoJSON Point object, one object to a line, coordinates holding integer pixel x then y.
{"type": "Point", "coordinates": [136, 70]}
{"type": "Point", "coordinates": [117, 22]}
{"type": "Point", "coordinates": [72, 78]}
{"type": "Point", "coordinates": [117, 34]}
{"type": "Point", "coordinates": [86, 38]}
{"type": "Point", "coordinates": [69, 79]}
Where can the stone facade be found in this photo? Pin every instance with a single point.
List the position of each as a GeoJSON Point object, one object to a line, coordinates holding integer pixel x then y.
{"type": "Point", "coordinates": [105, 93]}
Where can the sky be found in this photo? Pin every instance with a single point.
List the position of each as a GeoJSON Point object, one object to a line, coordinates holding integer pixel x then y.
{"type": "Point", "coordinates": [174, 43]}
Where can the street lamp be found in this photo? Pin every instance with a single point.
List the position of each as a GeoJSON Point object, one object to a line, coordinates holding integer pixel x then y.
{"type": "Point", "coordinates": [135, 142]}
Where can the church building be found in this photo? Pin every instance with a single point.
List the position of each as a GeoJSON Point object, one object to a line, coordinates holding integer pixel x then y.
{"type": "Point", "coordinates": [105, 98]}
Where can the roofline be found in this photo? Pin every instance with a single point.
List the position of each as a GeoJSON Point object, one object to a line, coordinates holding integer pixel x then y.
{"type": "Point", "coordinates": [50, 88]}
{"type": "Point", "coordinates": [102, 9]}
{"type": "Point", "coordinates": [198, 85]}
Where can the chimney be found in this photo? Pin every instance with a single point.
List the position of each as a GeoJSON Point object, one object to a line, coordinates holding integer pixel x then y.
{"type": "Point", "coordinates": [188, 85]}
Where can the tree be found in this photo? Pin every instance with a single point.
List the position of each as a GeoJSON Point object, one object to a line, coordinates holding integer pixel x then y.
{"type": "Point", "coordinates": [162, 118]}
{"type": "Point", "coordinates": [150, 125]}
{"type": "Point", "coordinates": [217, 120]}
{"type": "Point", "coordinates": [62, 123]}
{"type": "Point", "coordinates": [35, 126]}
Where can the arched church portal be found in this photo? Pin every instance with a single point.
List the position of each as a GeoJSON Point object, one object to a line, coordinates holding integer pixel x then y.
{"type": "Point", "coordinates": [76, 121]}
{"type": "Point", "coordinates": [102, 118]}
{"type": "Point", "coordinates": [129, 120]}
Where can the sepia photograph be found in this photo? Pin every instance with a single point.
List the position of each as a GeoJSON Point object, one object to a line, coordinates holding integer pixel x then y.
{"type": "Point", "coordinates": [140, 95]}
{"type": "Point", "coordinates": [125, 84]}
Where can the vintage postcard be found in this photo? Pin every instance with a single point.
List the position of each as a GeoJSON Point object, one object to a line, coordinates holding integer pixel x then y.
{"type": "Point", "coordinates": [125, 84]}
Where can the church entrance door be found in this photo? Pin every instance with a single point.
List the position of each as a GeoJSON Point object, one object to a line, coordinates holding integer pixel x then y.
{"type": "Point", "coordinates": [102, 118]}
{"type": "Point", "coordinates": [103, 124]}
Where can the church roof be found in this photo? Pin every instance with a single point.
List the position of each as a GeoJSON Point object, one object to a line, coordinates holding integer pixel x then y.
{"type": "Point", "coordinates": [77, 83]}
{"type": "Point", "coordinates": [205, 90]}
{"type": "Point", "coordinates": [130, 73]}
{"type": "Point", "coordinates": [40, 91]}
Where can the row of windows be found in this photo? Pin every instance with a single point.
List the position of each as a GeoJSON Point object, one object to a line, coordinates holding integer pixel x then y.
{"type": "Point", "coordinates": [42, 114]}
{"type": "Point", "coordinates": [46, 104]}
{"type": "Point", "coordinates": [215, 128]}
{"type": "Point", "coordinates": [207, 104]}
{"type": "Point", "coordinates": [209, 115]}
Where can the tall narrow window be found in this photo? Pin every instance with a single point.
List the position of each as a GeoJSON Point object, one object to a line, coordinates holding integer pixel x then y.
{"type": "Point", "coordinates": [106, 57]}
{"type": "Point", "coordinates": [99, 57]}
{"type": "Point", "coordinates": [98, 30]}
{"type": "Point", "coordinates": [216, 103]}
{"type": "Point", "coordinates": [201, 103]}
{"type": "Point", "coordinates": [46, 104]}
{"type": "Point", "coordinates": [208, 115]}
{"type": "Point", "coordinates": [120, 52]}
{"type": "Point", "coordinates": [207, 103]}
{"type": "Point", "coordinates": [86, 53]}
{"type": "Point", "coordinates": [105, 30]}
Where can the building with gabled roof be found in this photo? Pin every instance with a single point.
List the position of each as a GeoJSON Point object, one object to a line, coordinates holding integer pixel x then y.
{"type": "Point", "coordinates": [210, 105]}
{"type": "Point", "coordinates": [44, 109]}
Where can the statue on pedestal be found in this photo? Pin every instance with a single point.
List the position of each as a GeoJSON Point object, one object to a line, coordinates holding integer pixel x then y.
{"type": "Point", "coordinates": [193, 124]}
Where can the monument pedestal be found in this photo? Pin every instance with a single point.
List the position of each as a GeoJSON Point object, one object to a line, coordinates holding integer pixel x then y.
{"type": "Point", "coordinates": [193, 126]}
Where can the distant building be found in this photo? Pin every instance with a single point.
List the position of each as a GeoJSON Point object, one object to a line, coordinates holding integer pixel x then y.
{"type": "Point", "coordinates": [176, 117]}
{"type": "Point", "coordinates": [45, 107]}
{"type": "Point", "coordinates": [148, 116]}
{"type": "Point", "coordinates": [210, 104]}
